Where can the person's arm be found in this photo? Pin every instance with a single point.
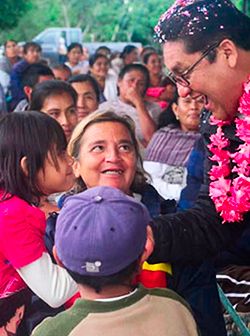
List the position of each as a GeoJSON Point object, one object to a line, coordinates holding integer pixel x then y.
{"type": "Point", "coordinates": [50, 282]}
{"type": "Point", "coordinates": [193, 235]}
{"type": "Point", "coordinates": [147, 124]}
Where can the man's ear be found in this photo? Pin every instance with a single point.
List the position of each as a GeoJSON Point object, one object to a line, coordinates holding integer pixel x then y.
{"type": "Point", "coordinates": [230, 52]}
{"type": "Point", "coordinates": [149, 245]}
{"type": "Point", "coordinates": [58, 261]}
{"type": "Point", "coordinates": [27, 90]}
{"type": "Point", "coordinates": [23, 165]}
{"type": "Point", "coordinates": [76, 168]}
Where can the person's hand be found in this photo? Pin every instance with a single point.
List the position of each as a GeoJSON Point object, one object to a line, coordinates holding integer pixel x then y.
{"type": "Point", "coordinates": [150, 235]}
{"type": "Point", "coordinates": [133, 96]}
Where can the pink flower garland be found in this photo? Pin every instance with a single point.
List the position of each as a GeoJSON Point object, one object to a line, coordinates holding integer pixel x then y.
{"type": "Point", "coordinates": [231, 195]}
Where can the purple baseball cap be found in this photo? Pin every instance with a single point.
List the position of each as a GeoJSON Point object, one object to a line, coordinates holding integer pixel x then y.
{"type": "Point", "coordinates": [100, 231]}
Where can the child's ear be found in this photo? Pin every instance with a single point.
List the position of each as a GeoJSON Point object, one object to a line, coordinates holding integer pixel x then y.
{"type": "Point", "coordinates": [23, 165]}
{"type": "Point", "coordinates": [58, 261]}
{"type": "Point", "coordinates": [149, 245]}
{"type": "Point", "coordinates": [76, 168]}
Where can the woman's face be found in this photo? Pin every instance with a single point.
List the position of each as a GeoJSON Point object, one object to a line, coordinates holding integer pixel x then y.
{"type": "Point", "coordinates": [132, 57]}
{"type": "Point", "coordinates": [11, 49]}
{"type": "Point", "coordinates": [74, 56]}
{"type": "Point", "coordinates": [154, 64]}
{"type": "Point", "coordinates": [187, 111]}
{"type": "Point", "coordinates": [100, 68]}
{"type": "Point", "coordinates": [106, 157]}
{"type": "Point", "coordinates": [132, 79]}
{"type": "Point", "coordinates": [62, 108]}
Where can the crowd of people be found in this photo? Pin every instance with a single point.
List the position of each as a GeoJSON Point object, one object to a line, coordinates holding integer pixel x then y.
{"type": "Point", "coordinates": [125, 182]}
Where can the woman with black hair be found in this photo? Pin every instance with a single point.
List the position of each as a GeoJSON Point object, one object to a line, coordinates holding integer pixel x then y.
{"type": "Point", "coordinates": [98, 68]}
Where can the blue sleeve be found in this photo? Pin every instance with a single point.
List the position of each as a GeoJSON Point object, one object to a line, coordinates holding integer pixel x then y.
{"type": "Point", "coordinates": [195, 168]}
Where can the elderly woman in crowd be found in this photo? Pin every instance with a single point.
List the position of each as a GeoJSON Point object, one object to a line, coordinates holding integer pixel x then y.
{"type": "Point", "coordinates": [167, 153]}
{"type": "Point", "coordinates": [133, 82]}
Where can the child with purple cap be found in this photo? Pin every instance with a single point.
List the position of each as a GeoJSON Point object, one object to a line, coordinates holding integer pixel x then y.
{"type": "Point", "coordinates": [102, 238]}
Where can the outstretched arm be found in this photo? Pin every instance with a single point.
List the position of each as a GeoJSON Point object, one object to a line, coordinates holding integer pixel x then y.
{"type": "Point", "coordinates": [193, 235]}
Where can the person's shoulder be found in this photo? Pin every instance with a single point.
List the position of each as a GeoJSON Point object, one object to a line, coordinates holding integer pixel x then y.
{"type": "Point", "coordinates": [12, 202]}
{"type": "Point", "coordinates": [113, 104]}
{"type": "Point", "coordinates": [19, 65]}
{"type": "Point", "coordinates": [52, 326]}
{"type": "Point", "coordinates": [14, 206]}
{"type": "Point", "coordinates": [63, 323]}
{"type": "Point", "coordinates": [168, 293]}
{"type": "Point", "coordinates": [171, 297]}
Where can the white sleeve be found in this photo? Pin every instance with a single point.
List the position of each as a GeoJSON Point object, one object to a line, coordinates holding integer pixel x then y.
{"type": "Point", "coordinates": [49, 281]}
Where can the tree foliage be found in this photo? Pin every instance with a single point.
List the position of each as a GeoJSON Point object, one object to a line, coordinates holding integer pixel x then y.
{"type": "Point", "coordinates": [11, 12]}
{"type": "Point", "coordinates": [102, 20]}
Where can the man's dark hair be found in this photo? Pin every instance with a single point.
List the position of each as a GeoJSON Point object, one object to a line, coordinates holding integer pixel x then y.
{"type": "Point", "coordinates": [135, 67]}
{"type": "Point", "coordinates": [123, 277]}
{"type": "Point", "coordinates": [89, 79]}
{"type": "Point", "coordinates": [74, 45]}
{"type": "Point", "coordinates": [48, 89]}
{"type": "Point", "coordinates": [31, 45]}
{"type": "Point", "coordinates": [31, 74]}
{"type": "Point", "coordinates": [31, 134]}
{"type": "Point", "coordinates": [203, 23]}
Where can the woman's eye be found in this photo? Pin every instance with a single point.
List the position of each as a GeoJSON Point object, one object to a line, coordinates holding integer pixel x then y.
{"type": "Point", "coordinates": [125, 148]}
{"type": "Point", "coordinates": [97, 149]}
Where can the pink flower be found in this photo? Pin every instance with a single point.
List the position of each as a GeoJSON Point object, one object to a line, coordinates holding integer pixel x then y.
{"type": "Point", "coordinates": [220, 187]}
{"type": "Point", "coordinates": [232, 196]}
{"type": "Point", "coordinates": [219, 171]}
{"type": "Point", "coordinates": [218, 139]}
{"type": "Point", "coordinates": [220, 155]}
{"type": "Point", "coordinates": [243, 129]}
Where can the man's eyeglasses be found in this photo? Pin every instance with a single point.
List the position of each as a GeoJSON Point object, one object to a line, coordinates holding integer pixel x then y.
{"type": "Point", "coordinates": [181, 79]}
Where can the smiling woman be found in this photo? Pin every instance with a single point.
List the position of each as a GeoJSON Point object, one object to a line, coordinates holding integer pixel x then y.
{"type": "Point", "coordinates": [106, 152]}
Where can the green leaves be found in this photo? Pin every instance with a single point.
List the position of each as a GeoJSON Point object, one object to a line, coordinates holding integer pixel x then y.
{"type": "Point", "coordinates": [12, 11]}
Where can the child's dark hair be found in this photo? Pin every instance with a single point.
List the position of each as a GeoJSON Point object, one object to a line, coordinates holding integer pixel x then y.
{"type": "Point", "coordinates": [31, 74]}
{"type": "Point", "coordinates": [123, 277]}
{"type": "Point", "coordinates": [10, 304]}
{"type": "Point", "coordinates": [31, 45]}
{"type": "Point", "coordinates": [32, 135]}
{"type": "Point", "coordinates": [95, 57]}
{"type": "Point", "coordinates": [74, 45]}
